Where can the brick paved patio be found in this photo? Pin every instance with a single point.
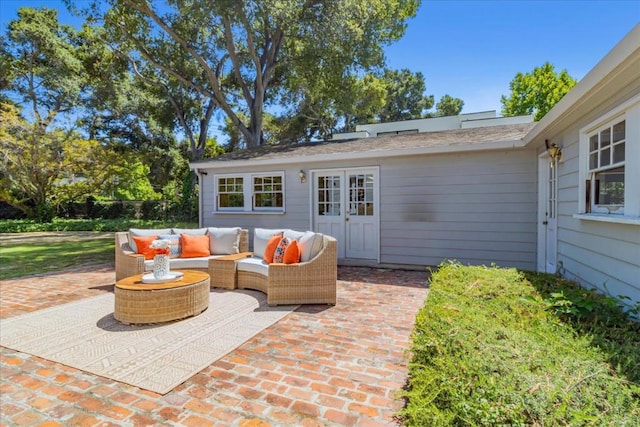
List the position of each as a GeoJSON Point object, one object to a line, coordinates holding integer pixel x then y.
{"type": "Point", "coordinates": [319, 366]}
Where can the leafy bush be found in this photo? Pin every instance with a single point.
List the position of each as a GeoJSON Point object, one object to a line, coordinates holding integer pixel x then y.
{"type": "Point", "coordinates": [25, 225]}
{"type": "Point", "coordinates": [152, 209]}
{"type": "Point", "coordinates": [497, 346]}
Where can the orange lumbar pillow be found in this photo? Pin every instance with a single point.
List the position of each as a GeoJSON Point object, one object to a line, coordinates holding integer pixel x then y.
{"type": "Point", "coordinates": [270, 249]}
{"type": "Point", "coordinates": [292, 253]}
{"type": "Point", "coordinates": [143, 244]}
{"type": "Point", "coordinates": [194, 246]}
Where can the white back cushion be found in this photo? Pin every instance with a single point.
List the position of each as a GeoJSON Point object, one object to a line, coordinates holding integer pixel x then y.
{"type": "Point", "coordinates": [190, 231]}
{"type": "Point", "coordinates": [224, 241]}
{"type": "Point", "coordinates": [260, 238]}
{"type": "Point", "coordinates": [144, 232]}
{"type": "Point", "coordinates": [310, 245]}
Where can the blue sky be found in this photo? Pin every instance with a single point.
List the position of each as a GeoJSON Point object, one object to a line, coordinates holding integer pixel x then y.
{"type": "Point", "coordinates": [473, 49]}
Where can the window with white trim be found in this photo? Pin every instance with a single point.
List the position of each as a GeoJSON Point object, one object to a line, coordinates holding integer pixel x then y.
{"type": "Point", "coordinates": [268, 192]}
{"type": "Point", "coordinates": [606, 167]}
{"type": "Point", "coordinates": [609, 167]}
{"type": "Point", "coordinates": [249, 192]}
{"type": "Point", "coordinates": [230, 193]}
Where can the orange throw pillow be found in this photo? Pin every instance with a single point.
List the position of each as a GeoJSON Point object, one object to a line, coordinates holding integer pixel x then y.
{"type": "Point", "coordinates": [194, 246]}
{"type": "Point", "coordinates": [270, 249]}
{"type": "Point", "coordinates": [292, 253]}
{"type": "Point", "coordinates": [143, 244]}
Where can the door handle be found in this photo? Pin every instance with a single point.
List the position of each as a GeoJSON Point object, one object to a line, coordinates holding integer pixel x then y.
{"type": "Point", "coordinates": [545, 222]}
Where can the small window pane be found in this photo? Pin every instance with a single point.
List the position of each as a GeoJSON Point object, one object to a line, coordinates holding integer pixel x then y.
{"type": "Point", "coordinates": [605, 157]}
{"type": "Point", "coordinates": [618, 153]}
{"type": "Point", "coordinates": [593, 143]}
{"type": "Point", "coordinates": [605, 138]}
{"type": "Point", "coordinates": [619, 132]}
{"type": "Point", "coordinates": [610, 187]}
{"type": "Point", "coordinates": [593, 160]}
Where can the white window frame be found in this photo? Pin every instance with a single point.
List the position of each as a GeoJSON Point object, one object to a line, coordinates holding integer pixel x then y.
{"type": "Point", "coordinates": [630, 213]}
{"type": "Point", "coordinates": [217, 193]}
{"type": "Point", "coordinates": [248, 193]}
{"type": "Point", "coordinates": [596, 207]}
{"type": "Point", "coordinates": [254, 192]}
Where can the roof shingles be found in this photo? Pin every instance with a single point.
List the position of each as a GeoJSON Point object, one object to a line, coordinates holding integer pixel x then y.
{"type": "Point", "coordinates": [395, 143]}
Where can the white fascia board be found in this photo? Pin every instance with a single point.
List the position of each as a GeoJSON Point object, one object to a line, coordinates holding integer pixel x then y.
{"type": "Point", "coordinates": [365, 155]}
{"type": "Point", "coordinates": [598, 76]}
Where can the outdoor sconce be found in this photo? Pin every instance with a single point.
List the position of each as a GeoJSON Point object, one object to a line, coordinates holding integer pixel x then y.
{"type": "Point", "coordinates": [555, 152]}
{"type": "Point", "coordinates": [302, 176]}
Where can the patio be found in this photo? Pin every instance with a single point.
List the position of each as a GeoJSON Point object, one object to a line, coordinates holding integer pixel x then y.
{"type": "Point", "coordinates": [320, 365]}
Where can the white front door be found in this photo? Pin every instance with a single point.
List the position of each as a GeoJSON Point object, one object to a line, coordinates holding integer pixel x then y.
{"type": "Point", "coordinates": [547, 215]}
{"type": "Point", "coordinates": [346, 207]}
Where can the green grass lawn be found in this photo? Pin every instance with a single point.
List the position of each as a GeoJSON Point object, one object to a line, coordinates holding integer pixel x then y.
{"type": "Point", "coordinates": [498, 346]}
{"type": "Point", "coordinates": [31, 257]}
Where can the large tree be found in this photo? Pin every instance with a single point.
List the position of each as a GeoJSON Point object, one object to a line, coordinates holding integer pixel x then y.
{"type": "Point", "coordinates": [391, 95]}
{"type": "Point", "coordinates": [536, 92]}
{"type": "Point", "coordinates": [449, 106]}
{"type": "Point", "coordinates": [42, 169]}
{"type": "Point", "coordinates": [45, 160]}
{"type": "Point", "coordinates": [405, 96]}
{"type": "Point", "coordinates": [127, 113]}
{"type": "Point", "coordinates": [317, 112]}
{"type": "Point", "coordinates": [239, 55]}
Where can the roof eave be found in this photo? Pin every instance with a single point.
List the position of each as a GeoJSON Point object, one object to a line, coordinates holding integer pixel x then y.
{"type": "Point", "coordinates": [365, 155]}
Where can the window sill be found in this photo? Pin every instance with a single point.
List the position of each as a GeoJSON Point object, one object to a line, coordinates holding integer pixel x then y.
{"type": "Point", "coordinates": [248, 212]}
{"type": "Point", "coordinates": [616, 219]}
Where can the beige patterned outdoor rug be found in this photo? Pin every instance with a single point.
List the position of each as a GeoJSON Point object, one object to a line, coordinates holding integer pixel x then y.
{"type": "Point", "coordinates": [157, 357]}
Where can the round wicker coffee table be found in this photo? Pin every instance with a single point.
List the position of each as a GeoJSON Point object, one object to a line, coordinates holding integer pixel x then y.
{"type": "Point", "coordinates": [137, 302]}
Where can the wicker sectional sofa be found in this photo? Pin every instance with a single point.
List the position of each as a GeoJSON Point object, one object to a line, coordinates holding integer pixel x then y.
{"type": "Point", "coordinates": [130, 263]}
{"type": "Point", "coordinates": [310, 281]}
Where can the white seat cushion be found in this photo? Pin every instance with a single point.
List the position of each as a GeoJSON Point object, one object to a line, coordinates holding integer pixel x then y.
{"type": "Point", "coordinates": [253, 265]}
{"type": "Point", "coordinates": [182, 263]}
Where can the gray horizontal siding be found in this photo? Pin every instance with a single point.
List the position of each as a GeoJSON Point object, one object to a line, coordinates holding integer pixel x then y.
{"type": "Point", "coordinates": [596, 254]}
{"type": "Point", "coordinates": [477, 208]}
{"type": "Point", "coordinates": [296, 201]}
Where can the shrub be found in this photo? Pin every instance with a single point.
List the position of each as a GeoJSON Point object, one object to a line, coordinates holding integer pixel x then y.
{"type": "Point", "coordinates": [25, 225]}
{"type": "Point", "coordinates": [490, 347]}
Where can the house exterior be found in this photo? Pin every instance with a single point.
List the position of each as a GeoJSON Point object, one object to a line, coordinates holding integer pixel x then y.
{"type": "Point", "coordinates": [589, 205]}
{"type": "Point", "coordinates": [476, 188]}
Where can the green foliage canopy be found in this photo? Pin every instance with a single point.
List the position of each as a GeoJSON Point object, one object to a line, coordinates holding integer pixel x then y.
{"type": "Point", "coordinates": [49, 83]}
{"type": "Point", "coordinates": [449, 106]}
{"type": "Point", "coordinates": [405, 96]}
{"type": "Point", "coordinates": [536, 92]}
{"type": "Point", "coordinates": [240, 56]}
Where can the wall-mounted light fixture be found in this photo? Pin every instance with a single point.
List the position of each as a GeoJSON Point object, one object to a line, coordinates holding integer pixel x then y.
{"type": "Point", "coordinates": [555, 152]}
{"type": "Point", "coordinates": [302, 176]}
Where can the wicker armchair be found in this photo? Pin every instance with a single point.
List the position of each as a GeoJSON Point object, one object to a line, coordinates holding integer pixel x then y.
{"type": "Point", "coordinates": [129, 263]}
{"type": "Point", "coordinates": [312, 282]}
